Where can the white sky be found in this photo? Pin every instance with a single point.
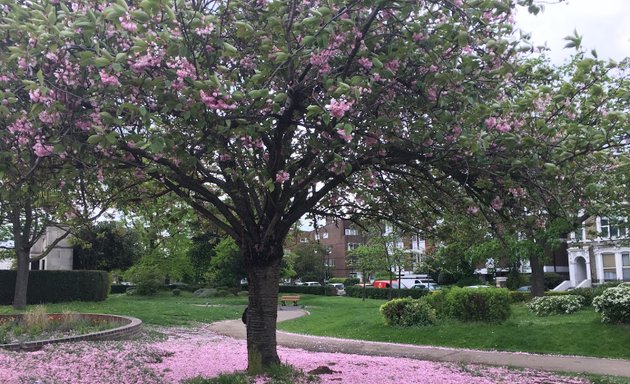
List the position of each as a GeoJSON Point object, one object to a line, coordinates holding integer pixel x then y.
{"type": "Point", "coordinates": [603, 24]}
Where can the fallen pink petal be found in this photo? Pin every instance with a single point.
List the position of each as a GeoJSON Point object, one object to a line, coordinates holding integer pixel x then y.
{"type": "Point", "coordinates": [185, 353]}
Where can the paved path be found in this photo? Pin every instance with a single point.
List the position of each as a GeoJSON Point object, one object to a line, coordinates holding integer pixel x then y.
{"type": "Point", "coordinates": [236, 329]}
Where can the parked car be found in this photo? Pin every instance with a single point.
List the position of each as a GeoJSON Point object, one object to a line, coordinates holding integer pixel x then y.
{"type": "Point", "coordinates": [312, 284]}
{"type": "Point", "coordinates": [340, 290]}
{"type": "Point", "coordinates": [429, 286]}
{"type": "Point", "coordinates": [524, 288]}
{"type": "Point", "coordinates": [479, 286]}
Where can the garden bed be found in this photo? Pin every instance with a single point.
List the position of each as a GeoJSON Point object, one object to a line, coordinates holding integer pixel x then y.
{"type": "Point", "coordinates": [99, 327]}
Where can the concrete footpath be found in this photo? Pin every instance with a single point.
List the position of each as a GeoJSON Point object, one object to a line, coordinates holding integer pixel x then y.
{"type": "Point", "coordinates": [613, 367]}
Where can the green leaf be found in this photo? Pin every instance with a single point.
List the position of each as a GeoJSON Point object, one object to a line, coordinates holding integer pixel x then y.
{"type": "Point", "coordinates": [100, 62]}
{"type": "Point", "coordinates": [94, 139]}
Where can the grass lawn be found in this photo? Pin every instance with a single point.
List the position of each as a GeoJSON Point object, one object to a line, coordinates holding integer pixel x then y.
{"type": "Point", "coordinates": [161, 309]}
{"type": "Point", "coordinates": [581, 333]}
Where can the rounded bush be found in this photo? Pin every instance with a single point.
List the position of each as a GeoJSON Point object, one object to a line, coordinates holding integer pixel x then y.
{"type": "Point", "coordinates": [483, 304]}
{"type": "Point", "coordinates": [176, 292]}
{"type": "Point", "coordinates": [408, 313]}
{"type": "Point", "coordinates": [614, 304]}
{"type": "Point", "coordinates": [437, 301]}
{"type": "Point", "coordinates": [555, 305]}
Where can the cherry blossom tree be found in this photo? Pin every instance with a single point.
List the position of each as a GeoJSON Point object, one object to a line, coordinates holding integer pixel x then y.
{"type": "Point", "coordinates": [257, 112]}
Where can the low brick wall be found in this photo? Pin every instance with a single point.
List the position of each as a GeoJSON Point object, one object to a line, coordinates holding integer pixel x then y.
{"type": "Point", "coordinates": [129, 327]}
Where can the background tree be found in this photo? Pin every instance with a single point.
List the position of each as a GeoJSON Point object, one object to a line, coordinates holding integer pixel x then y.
{"type": "Point", "coordinates": [309, 262]}
{"type": "Point", "coordinates": [227, 267]}
{"type": "Point", "coordinates": [200, 254]}
{"type": "Point", "coordinates": [107, 246]}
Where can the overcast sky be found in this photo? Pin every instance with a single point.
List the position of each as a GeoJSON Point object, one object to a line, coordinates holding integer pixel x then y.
{"type": "Point", "coordinates": [604, 25]}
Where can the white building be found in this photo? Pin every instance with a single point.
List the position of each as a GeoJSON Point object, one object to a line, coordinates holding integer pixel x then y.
{"type": "Point", "coordinates": [599, 252]}
{"type": "Point", "coordinates": [59, 258]}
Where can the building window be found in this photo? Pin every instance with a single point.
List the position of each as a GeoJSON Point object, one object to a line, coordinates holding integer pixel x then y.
{"type": "Point", "coordinates": [353, 246]}
{"type": "Point", "coordinates": [330, 263]}
{"type": "Point", "coordinates": [317, 236]}
{"type": "Point", "coordinates": [351, 232]}
{"type": "Point", "coordinates": [625, 266]}
{"type": "Point", "coordinates": [304, 240]}
{"type": "Point", "coordinates": [609, 228]}
{"type": "Point", "coordinates": [610, 269]}
{"type": "Point", "coordinates": [324, 235]}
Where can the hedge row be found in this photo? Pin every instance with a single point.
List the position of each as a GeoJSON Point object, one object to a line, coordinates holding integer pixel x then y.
{"type": "Point", "coordinates": [57, 286]}
{"type": "Point", "coordinates": [306, 289]}
{"type": "Point", "coordinates": [381, 293]}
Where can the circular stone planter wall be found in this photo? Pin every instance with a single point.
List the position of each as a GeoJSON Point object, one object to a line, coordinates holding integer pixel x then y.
{"type": "Point", "coordinates": [129, 326]}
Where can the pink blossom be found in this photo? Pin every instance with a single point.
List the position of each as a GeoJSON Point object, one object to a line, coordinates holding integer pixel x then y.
{"type": "Point", "coordinates": [22, 125]}
{"type": "Point", "coordinates": [282, 176]}
{"type": "Point", "coordinates": [432, 94]}
{"type": "Point", "coordinates": [100, 176]}
{"type": "Point", "coordinates": [503, 126]}
{"type": "Point", "coordinates": [496, 203]}
{"type": "Point", "coordinates": [205, 31]}
{"type": "Point", "coordinates": [392, 65]}
{"type": "Point", "coordinates": [215, 101]}
{"type": "Point", "coordinates": [42, 150]}
{"type": "Point", "coordinates": [127, 23]}
{"type": "Point", "coordinates": [50, 118]}
{"type": "Point", "coordinates": [491, 122]}
{"type": "Point", "coordinates": [339, 108]}
{"type": "Point", "coordinates": [365, 63]}
{"type": "Point", "coordinates": [472, 210]}
{"type": "Point", "coordinates": [518, 192]}
{"type": "Point", "coordinates": [107, 79]}
{"type": "Point", "coordinates": [225, 157]}
{"type": "Point", "coordinates": [344, 135]}
{"type": "Point", "coordinates": [417, 37]}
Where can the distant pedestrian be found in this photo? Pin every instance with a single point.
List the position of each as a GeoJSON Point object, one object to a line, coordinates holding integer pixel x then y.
{"type": "Point", "coordinates": [244, 317]}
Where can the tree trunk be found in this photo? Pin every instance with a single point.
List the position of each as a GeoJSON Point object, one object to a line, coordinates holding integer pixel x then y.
{"type": "Point", "coordinates": [262, 314]}
{"type": "Point", "coordinates": [21, 280]}
{"type": "Point", "coordinates": [537, 279]}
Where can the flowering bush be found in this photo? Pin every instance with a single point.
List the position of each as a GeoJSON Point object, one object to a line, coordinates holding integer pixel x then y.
{"type": "Point", "coordinates": [408, 312]}
{"type": "Point", "coordinates": [614, 304]}
{"type": "Point", "coordinates": [555, 305]}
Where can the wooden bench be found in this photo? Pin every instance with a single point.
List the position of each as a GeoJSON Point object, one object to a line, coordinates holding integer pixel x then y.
{"type": "Point", "coordinates": [285, 299]}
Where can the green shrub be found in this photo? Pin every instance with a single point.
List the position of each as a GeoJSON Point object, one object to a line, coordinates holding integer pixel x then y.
{"type": "Point", "coordinates": [176, 292]}
{"type": "Point", "coordinates": [446, 278]}
{"type": "Point", "coordinates": [614, 304]}
{"type": "Point", "coordinates": [468, 280]}
{"type": "Point", "coordinates": [57, 286]}
{"type": "Point", "coordinates": [437, 301]}
{"type": "Point", "coordinates": [408, 312]}
{"type": "Point", "coordinates": [555, 305]}
{"type": "Point", "coordinates": [519, 296]}
{"type": "Point", "coordinates": [148, 281]}
{"type": "Point", "coordinates": [557, 293]}
{"type": "Point", "coordinates": [381, 293]}
{"type": "Point", "coordinates": [590, 293]}
{"type": "Point", "coordinates": [483, 304]}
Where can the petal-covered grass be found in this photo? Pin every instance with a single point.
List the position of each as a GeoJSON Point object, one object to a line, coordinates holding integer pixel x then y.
{"type": "Point", "coordinates": [186, 353]}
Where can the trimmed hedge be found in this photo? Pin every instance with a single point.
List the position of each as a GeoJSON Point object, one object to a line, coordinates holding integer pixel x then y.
{"type": "Point", "coordinates": [309, 290]}
{"type": "Point", "coordinates": [57, 286]}
{"type": "Point", "coordinates": [381, 293]}
{"type": "Point", "coordinates": [483, 304]}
